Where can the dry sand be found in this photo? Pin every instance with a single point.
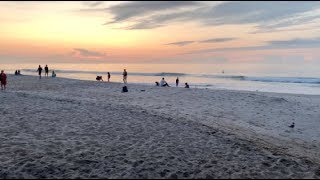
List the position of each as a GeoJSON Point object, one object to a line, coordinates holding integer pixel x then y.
{"type": "Point", "coordinates": [62, 128]}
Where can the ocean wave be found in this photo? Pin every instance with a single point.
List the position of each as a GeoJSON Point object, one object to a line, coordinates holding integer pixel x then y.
{"type": "Point", "coordinates": [309, 80]}
{"type": "Point", "coordinates": [285, 79]}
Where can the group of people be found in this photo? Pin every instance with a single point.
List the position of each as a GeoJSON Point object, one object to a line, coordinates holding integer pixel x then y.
{"type": "Point", "coordinates": [163, 83]}
{"type": "Point", "coordinates": [99, 78]}
{"type": "Point", "coordinates": [46, 69]}
{"type": "Point", "coordinates": [125, 75]}
{"type": "Point", "coordinates": [17, 72]}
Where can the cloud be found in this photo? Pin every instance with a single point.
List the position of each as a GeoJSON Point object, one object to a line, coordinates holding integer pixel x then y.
{"type": "Point", "coordinates": [88, 53]}
{"type": "Point", "coordinates": [130, 10]}
{"type": "Point", "coordinates": [216, 40]}
{"type": "Point", "coordinates": [93, 3]}
{"type": "Point", "coordinates": [180, 43]}
{"type": "Point", "coordinates": [280, 44]}
{"type": "Point", "coordinates": [267, 15]}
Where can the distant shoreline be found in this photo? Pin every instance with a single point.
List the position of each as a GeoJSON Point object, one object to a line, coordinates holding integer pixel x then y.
{"type": "Point", "coordinates": [201, 88]}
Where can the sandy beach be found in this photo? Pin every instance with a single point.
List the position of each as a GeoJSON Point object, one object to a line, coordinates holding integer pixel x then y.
{"type": "Point", "coordinates": [64, 128]}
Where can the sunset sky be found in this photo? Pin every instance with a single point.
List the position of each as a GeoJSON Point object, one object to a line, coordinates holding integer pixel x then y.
{"type": "Point", "coordinates": [160, 32]}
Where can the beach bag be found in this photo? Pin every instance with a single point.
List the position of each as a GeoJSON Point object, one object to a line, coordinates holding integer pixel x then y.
{"type": "Point", "coordinates": [124, 89]}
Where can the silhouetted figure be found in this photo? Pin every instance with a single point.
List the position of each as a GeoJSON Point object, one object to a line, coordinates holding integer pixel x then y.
{"type": "Point", "coordinates": [177, 82]}
{"type": "Point", "coordinates": [124, 89]}
{"type": "Point", "coordinates": [99, 78]}
{"type": "Point", "coordinates": [186, 85]}
{"type": "Point", "coordinates": [3, 79]}
{"type": "Point", "coordinates": [292, 125]}
{"type": "Point", "coordinates": [109, 76]}
{"type": "Point", "coordinates": [163, 83]}
{"type": "Point", "coordinates": [16, 72]}
{"type": "Point", "coordinates": [157, 83]}
{"type": "Point", "coordinates": [19, 72]}
{"type": "Point", "coordinates": [46, 69]}
{"type": "Point", "coordinates": [40, 71]}
{"type": "Point", "coordinates": [53, 74]}
{"type": "Point", "coordinates": [125, 74]}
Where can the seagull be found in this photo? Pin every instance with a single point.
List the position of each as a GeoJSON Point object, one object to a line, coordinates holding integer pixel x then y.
{"type": "Point", "coordinates": [292, 125]}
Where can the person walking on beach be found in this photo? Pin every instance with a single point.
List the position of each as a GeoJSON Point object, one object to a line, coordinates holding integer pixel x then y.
{"type": "Point", "coordinates": [3, 79]}
{"type": "Point", "coordinates": [109, 76]}
{"type": "Point", "coordinates": [163, 83]}
{"type": "Point", "coordinates": [46, 69]}
{"type": "Point", "coordinates": [125, 74]}
{"type": "Point", "coordinates": [177, 82]}
{"type": "Point", "coordinates": [40, 71]}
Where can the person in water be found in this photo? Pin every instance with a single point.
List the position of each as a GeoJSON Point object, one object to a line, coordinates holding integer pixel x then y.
{"type": "Point", "coordinates": [53, 74]}
{"type": "Point", "coordinates": [16, 72]}
{"type": "Point", "coordinates": [125, 74]}
{"type": "Point", "coordinates": [46, 69]}
{"type": "Point", "coordinates": [40, 71]}
{"type": "Point", "coordinates": [177, 82]}
{"type": "Point", "coordinates": [163, 83]}
{"type": "Point", "coordinates": [19, 72]}
{"type": "Point", "coordinates": [109, 76]}
{"type": "Point", "coordinates": [3, 79]}
{"type": "Point", "coordinates": [186, 85]}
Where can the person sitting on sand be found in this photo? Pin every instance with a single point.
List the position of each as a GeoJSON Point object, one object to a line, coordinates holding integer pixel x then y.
{"type": "Point", "coordinates": [163, 83]}
{"type": "Point", "coordinates": [53, 74]}
{"type": "Point", "coordinates": [3, 79]}
{"type": "Point", "coordinates": [157, 83]}
{"type": "Point", "coordinates": [187, 85]}
{"type": "Point", "coordinates": [99, 78]}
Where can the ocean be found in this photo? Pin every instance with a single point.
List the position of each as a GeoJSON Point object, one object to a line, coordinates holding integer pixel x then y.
{"type": "Point", "coordinates": [279, 78]}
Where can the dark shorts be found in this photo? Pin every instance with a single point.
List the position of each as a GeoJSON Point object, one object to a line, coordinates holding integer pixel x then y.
{"type": "Point", "coordinates": [3, 82]}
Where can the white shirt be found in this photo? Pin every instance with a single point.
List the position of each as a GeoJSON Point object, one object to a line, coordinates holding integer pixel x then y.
{"type": "Point", "coordinates": [162, 82]}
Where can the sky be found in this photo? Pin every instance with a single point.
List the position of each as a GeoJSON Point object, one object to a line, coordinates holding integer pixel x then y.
{"type": "Point", "coordinates": [270, 32]}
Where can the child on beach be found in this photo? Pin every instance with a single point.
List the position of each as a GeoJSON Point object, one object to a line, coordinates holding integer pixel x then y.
{"type": "Point", "coordinates": [3, 79]}
{"type": "Point", "coordinates": [39, 70]}
{"type": "Point", "coordinates": [53, 74]}
{"type": "Point", "coordinates": [109, 76]}
{"type": "Point", "coordinates": [187, 85]}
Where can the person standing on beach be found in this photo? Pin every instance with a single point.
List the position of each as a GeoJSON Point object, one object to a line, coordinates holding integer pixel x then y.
{"type": "Point", "coordinates": [125, 74]}
{"type": "Point", "coordinates": [40, 71]}
{"type": "Point", "coordinates": [177, 82]}
{"type": "Point", "coordinates": [46, 69]}
{"type": "Point", "coordinates": [3, 79]}
{"type": "Point", "coordinates": [109, 76]}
